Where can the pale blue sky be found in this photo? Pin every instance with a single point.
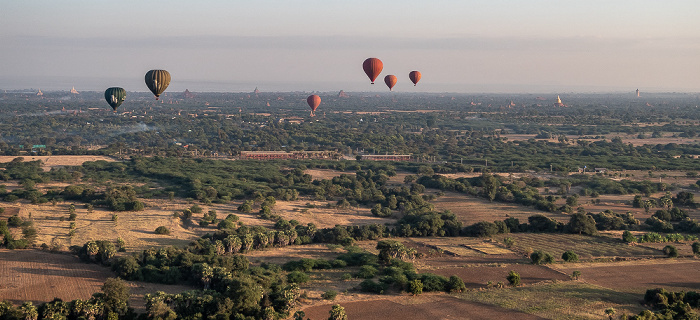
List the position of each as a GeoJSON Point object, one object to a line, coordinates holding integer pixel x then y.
{"type": "Point", "coordinates": [459, 46]}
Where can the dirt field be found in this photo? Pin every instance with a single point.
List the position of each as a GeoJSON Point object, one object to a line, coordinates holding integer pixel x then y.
{"type": "Point", "coordinates": [283, 255]}
{"type": "Point", "coordinates": [58, 161]}
{"type": "Point", "coordinates": [638, 276]}
{"type": "Point", "coordinates": [471, 210]}
{"type": "Point", "coordinates": [478, 277]}
{"type": "Point", "coordinates": [586, 247]}
{"type": "Point", "coordinates": [30, 275]}
{"type": "Point", "coordinates": [422, 307]}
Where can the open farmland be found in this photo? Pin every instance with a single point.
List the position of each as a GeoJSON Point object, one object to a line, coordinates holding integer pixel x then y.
{"type": "Point", "coordinates": [639, 275]}
{"type": "Point", "coordinates": [470, 210]}
{"type": "Point", "coordinates": [418, 308]}
{"type": "Point", "coordinates": [587, 247]}
{"type": "Point", "coordinates": [30, 275]}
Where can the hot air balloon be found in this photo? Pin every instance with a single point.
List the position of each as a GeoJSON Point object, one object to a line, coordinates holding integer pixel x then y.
{"type": "Point", "coordinates": [390, 81]}
{"type": "Point", "coordinates": [314, 101]}
{"type": "Point", "coordinates": [115, 96]}
{"type": "Point", "coordinates": [373, 67]}
{"type": "Point", "coordinates": [157, 81]}
{"type": "Point", "coordinates": [415, 77]}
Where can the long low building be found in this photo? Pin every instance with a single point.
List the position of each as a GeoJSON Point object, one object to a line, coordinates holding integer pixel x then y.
{"type": "Point", "coordinates": [387, 157]}
{"type": "Point", "coordinates": [274, 155]}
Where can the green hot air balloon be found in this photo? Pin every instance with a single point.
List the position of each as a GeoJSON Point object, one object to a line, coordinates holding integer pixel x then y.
{"type": "Point", "coordinates": [115, 96]}
{"type": "Point", "coordinates": [157, 81]}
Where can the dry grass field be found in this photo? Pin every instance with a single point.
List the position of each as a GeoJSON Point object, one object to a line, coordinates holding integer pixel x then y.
{"type": "Point", "coordinates": [37, 276]}
{"type": "Point", "coordinates": [49, 162]}
{"type": "Point", "coordinates": [639, 275]}
{"type": "Point", "coordinates": [559, 300]}
{"type": "Point", "coordinates": [318, 213]}
{"type": "Point", "coordinates": [587, 247]}
{"type": "Point", "coordinates": [470, 210]}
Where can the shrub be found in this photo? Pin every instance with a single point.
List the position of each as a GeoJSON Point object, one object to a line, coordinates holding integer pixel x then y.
{"type": "Point", "coordinates": [366, 272]}
{"type": "Point", "coordinates": [371, 286]}
{"type": "Point", "coordinates": [329, 295]}
{"type": "Point", "coordinates": [539, 257]}
{"type": "Point", "coordinates": [513, 278]}
{"type": "Point", "coordinates": [297, 277]}
{"type": "Point", "coordinates": [456, 284]}
{"type": "Point", "coordinates": [415, 287]}
{"type": "Point", "coordinates": [696, 247]}
{"type": "Point", "coordinates": [569, 256]}
{"type": "Point", "coordinates": [509, 242]}
{"type": "Point", "coordinates": [576, 274]}
{"type": "Point", "coordinates": [433, 282]}
{"type": "Point", "coordinates": [162, 230]}
{"type": "Point", "coordinates": [670, 251]}
{"type": "Point", "coordinates": [628, 237]}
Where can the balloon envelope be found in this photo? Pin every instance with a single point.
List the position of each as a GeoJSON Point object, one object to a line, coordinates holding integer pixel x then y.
{"type": "Point", "coordinates": [390, 81]}
{"type": "Point", "coordinates": [157, 81]}
{"type": "Point", "coordinates": [414, 76]}
{"type": "Point", "coordinates": [115, 96]}
{"type": "Point", "coordinates": [373, 67]}
{"type": "Point", "coordinates": [314, 101]}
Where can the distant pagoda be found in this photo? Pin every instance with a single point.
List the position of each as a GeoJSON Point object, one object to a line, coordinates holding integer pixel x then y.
{"type": "Point", "coordinates": [187, 94]}
{"type": "Point", "coordinates": [559, 103]}
{"type": "Point", "coordinates": [73, 91]}
{"type": "Point", "coordinates": [39, 93]}
{"type": "Point", "coordinates": [342, 94]}
{"type": "Point", "coordinates": [256, 91]}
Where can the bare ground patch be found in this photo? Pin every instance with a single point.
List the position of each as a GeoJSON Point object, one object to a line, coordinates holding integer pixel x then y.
{"type": "Point", "coordinates": [640, 275]}
{"type": "Point", "coordinates": [323, 216]}
{"type": "Point", "coordinates": [427, 306]}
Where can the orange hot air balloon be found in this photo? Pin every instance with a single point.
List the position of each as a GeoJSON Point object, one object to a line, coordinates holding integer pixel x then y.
{"type": "Point", "coordinates": [390, 81]}
{"type": "Point", "coordinates": [415, 77]}
{"type": "Point", "coordinates": [314, 101]}
{"type": "Point", "coordinates": [373, 67]}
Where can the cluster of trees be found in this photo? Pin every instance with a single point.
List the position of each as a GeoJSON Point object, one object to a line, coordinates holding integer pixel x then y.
{"type": "Point", "coordinates": [8, 240]}
{"type": "Point", "coordinates": [668, 305]}
{"type": "Point", "coordinates": [461, 131]}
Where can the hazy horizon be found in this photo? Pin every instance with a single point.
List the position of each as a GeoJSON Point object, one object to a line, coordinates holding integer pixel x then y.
{"type": "Point", "coordinates": [477, 46]}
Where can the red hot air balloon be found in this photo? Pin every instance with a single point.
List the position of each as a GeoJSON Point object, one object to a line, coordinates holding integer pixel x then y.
{"type": "Point", "coordinates": [390, 81]}
{"type": "Point", "coordinates": [415, 77]}
{"type": "Point", "coordinates": [373, 67]}
{"type": "Point", "coordinates": [314, 101]}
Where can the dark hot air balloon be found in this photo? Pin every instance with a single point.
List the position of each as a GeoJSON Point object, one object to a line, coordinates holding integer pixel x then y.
{"type": "Point", "coordinates": [314, 101]}
{"type": "Point", "coordinates": [373, 67]}
{"type": "Point", "coordinates": [115, 96]}
{"type": "Point", "coordinates": [157, 81]}
{"type": "Point", "coordinates": [415, 77]}
{"type": "Point", "coordinates": [390, 81]}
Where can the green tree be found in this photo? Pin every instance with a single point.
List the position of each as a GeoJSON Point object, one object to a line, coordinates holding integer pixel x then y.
{"type": "Point", "coordinates": [116, 295]}
{"type": "Point", "coordinates": [539, 257]}
{"type": "Point", "coordinates": [569, 256]}
{"type": "Point", "coordinates": [696, 247]}
{"type": "Point", "coordinates": [582, 224]}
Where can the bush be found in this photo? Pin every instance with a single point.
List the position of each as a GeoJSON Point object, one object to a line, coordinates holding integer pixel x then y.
{"type": "Point", "coordinates": [513, 278]}
{"type": "Point", "coordinates": [433, 282]}
{"type": "Point", "coordinates": [162, 230]}
{"type": "Point", "coordinates": [569, 256]}
{"type": "Point", "coordinates": [539, 257]}
{"type": "Point", "coordinates": [456, 284]}
{"type": "Point", "coordinates": [297, 277]}
{"type": "Point", "coordinates": [628, 237]}
{"type": "Point", "coordinates": [415, 287]}
{"type": "Point", "coordinates": [670, 251]}
{"type": "Point", "coordinates": [371, 286]}
{"type": "Point", "coordinates": [366, 272]}
{"type": "Point", "coordinates": [696, 247]}
{"type": "Point", "coordinates": [329, 295]}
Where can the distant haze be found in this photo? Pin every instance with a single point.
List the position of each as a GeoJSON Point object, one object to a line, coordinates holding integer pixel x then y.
{"type": "Point", "coordinates": [459, 46]}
